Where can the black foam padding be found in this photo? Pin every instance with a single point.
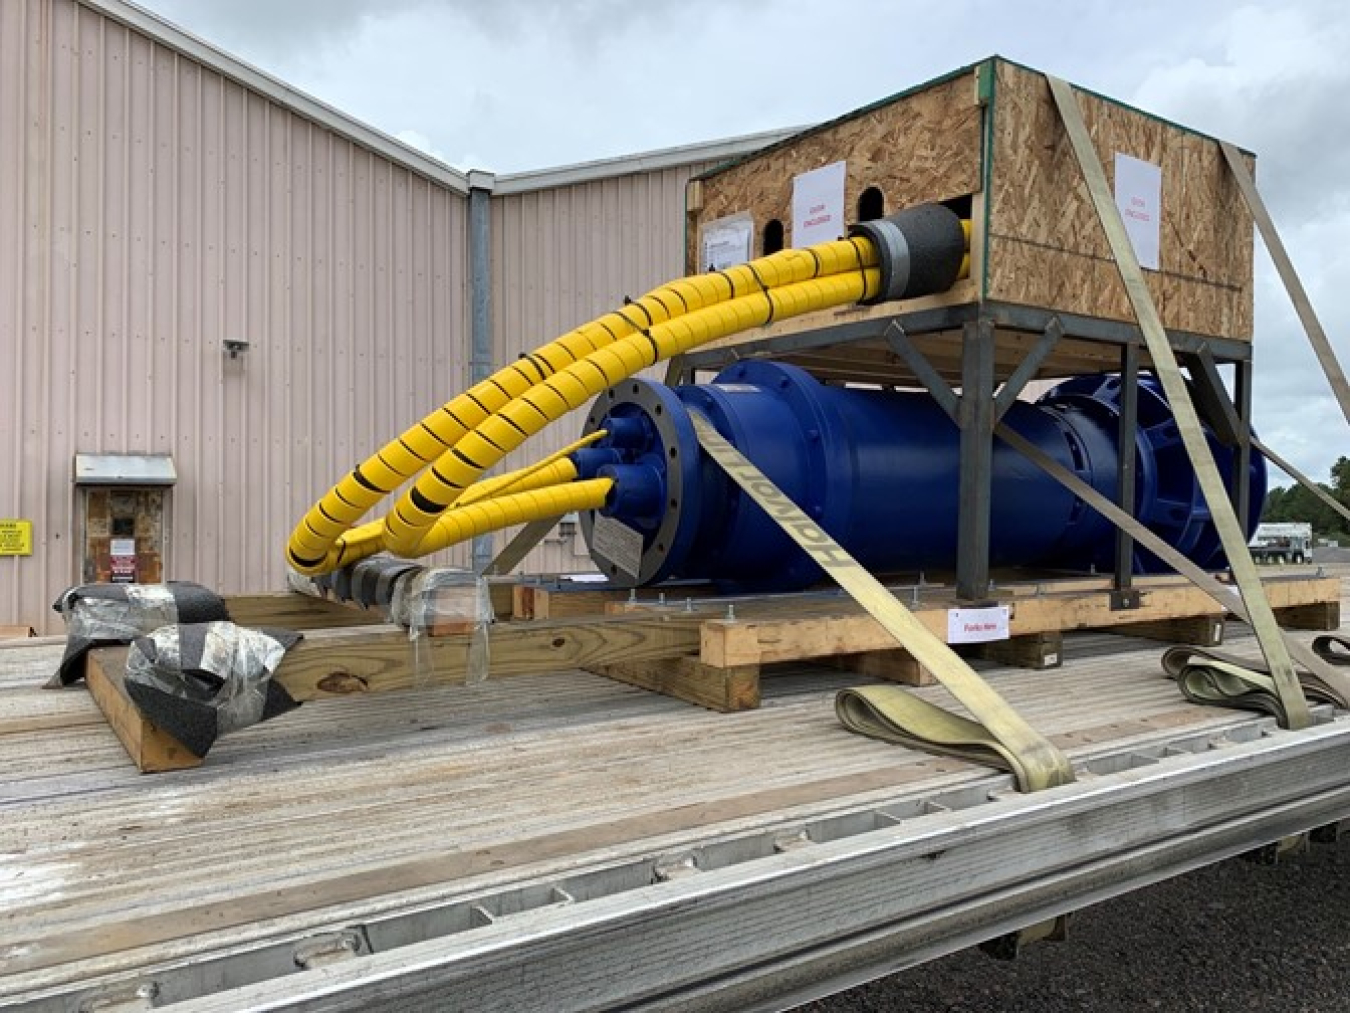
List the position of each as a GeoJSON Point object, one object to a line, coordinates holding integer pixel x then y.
{"type": "Point", "coordinates": [192, 602]}
{"type": "Point", "coordinates": [937, 245]}
{"type": "Point", "coordinates": [341, 584]}
{"type": "Point", "coordinates": [192, 717]}
{"type": "Point", "coordinates": [191, 722]}
{"type": "Point", "coordinates": [373, 579]}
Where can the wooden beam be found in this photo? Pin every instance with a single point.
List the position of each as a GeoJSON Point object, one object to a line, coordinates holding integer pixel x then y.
{"type": "Point", "coordinates": [897, 665]}
{"type": "Point", "coordinates": [293, 611]}
{"type": "Point", "coordinates": [687, 678]}
{"type": "Point", "coordinates": [1202, 631]}
{"type": "Point", "coordinates": [1322, 615]}
{"type": "Point", "coordinates": [150, 748]}
{"type": "Point", "coordinates": [1033, 650]}
{"type": "Point", "coordinates": [342, 662]}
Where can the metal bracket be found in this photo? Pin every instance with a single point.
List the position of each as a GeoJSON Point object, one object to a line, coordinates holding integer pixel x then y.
{"type": "Point", "coordinates": [331, 948]}
{"type": "Point", "coordinates": [669, 867]}
{"type": "Point", "coordinates": [1028, 368]}
{"type": "Point", "coordinates": [519, 547]}
{"type": "Point", "coordinates": [1126, 598]}
{"type": "Point", "coordinates": [1008, 946]}
{"type": "Point", "coordinates": [898, 342]}
{"type": "Point", "coordinates": [1211, 397]}
{"type": "Point", "coordinates": [127, 997]}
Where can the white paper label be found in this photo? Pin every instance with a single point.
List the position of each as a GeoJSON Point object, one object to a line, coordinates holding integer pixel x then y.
{"type": "Point", "coordinates": [1139, 198]}
{"type": "Point", "coordinates": [726, 243]}
{"type": "Point", "coordinates": [122, 547]}
{"type": "Point", "coordinates": [977, 625]}
{"type": "Point", "coordinates": [818, 205]}
{"type": "Point", "coordinates": [617, 542]}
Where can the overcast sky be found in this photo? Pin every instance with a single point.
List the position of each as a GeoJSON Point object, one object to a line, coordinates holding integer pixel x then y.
{"type": "Point", "coordinates": [509, 85]}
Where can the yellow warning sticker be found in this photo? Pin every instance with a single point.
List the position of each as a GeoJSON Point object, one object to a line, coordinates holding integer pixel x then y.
{"type": "Point", "coordinates": [16, 537]}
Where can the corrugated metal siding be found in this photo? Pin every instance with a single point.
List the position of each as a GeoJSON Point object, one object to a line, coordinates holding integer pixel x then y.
{"type": "Point", "coordinates": [152, 208]}
{"type": "Point", "coordinates": [564, 256]}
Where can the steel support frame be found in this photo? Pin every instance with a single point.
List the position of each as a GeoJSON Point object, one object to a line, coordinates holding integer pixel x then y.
{"type": "Point", "coordinates": [976, 419]}
{"type": "Point", "coordinates": [1125, 472]}
{"type": "Point", "coordinates": [1003, 316]}
{"type": "Point", "coordinates": [976, 412]}
{"type": "Point", "coordinates": [1242, 460]}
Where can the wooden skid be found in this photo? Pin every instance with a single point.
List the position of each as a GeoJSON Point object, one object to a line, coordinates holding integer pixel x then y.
{"type": "Point", "coordinates": [349, 661]}
{"type": "Point", "coordinates": [693, 652]}
{"type": "Point", "coordinates": [836, 632]}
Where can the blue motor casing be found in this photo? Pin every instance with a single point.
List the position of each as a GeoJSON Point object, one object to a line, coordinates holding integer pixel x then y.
{"type": "Point", "coordinates": [878, 469]}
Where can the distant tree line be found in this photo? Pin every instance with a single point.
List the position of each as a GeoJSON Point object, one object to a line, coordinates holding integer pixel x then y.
{"type": "Point", "coordinates": [1297, 504]}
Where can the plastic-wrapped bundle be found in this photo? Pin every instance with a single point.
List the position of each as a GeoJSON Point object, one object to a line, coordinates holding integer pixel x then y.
{"type": "Point", "coordinates": [98, 615]}
{"type": "Point", "coordinates": [198, 681]}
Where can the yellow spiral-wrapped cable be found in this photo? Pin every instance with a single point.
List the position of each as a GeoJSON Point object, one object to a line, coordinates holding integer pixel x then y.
{"type": "Point", "coordinates": [579, 383]}
{"type": "Point", "coordinates": [324, 541]}
{"type": "Point", "coordinates": [913, 252]}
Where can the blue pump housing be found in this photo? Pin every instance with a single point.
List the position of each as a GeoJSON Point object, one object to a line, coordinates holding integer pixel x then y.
{"type": "Point", "coordinates": [879, 471]}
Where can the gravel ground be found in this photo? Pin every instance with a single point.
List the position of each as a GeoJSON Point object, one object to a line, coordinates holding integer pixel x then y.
{"type": "Point", "coordinates": [1237, 937]}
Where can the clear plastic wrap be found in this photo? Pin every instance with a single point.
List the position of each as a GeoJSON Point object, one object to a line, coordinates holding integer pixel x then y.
{"type": "Point", "coordinates": [444, 602]}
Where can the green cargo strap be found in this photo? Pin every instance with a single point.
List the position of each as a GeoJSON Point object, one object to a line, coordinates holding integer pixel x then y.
{"type": "Point", "coordinates": [997, 736]}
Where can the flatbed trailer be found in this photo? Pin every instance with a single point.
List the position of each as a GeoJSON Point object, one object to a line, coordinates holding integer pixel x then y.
{"type": "Point", "coordinates": [567, 842]}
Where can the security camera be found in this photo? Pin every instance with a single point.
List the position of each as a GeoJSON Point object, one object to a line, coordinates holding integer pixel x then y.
{"type": "Point", "coordinates": [234, 346]}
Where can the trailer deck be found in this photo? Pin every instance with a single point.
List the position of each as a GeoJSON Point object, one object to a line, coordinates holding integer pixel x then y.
{"type": "Point", "coordinates": [567, 841]}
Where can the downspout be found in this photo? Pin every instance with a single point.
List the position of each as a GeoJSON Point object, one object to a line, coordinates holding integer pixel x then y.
{"type": "Point", "coordinates": [480, 309]}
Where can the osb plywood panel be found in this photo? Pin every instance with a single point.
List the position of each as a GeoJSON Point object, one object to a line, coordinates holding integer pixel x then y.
{"type": "Point", "coordinates": [1046, 247]}
{"type": "Point", "coordinates": [922, 147]}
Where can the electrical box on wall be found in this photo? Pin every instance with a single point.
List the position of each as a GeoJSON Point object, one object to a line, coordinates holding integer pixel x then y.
{"type": "Point", "coordinates": [121, 505]}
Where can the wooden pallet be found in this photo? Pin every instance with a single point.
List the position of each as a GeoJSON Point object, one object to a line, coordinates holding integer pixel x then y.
{"type": "Point", "coordinates": [740, 638]}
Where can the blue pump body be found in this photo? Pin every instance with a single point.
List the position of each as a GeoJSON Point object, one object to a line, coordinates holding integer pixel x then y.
{"type": "Point", "coordinates": [879, 470]}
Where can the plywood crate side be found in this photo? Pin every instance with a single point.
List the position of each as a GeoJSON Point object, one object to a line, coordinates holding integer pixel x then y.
{"type": "Point", "coordinates": [938, 129]}
{"type": "Point", "coordinates": [1046, 247]}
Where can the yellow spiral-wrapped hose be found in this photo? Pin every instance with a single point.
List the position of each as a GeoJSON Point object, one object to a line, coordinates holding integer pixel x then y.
{"type": "Point", "coordinates": [551, 381]}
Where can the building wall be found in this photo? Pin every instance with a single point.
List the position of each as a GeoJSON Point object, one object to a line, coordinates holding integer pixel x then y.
{"type": "Point", "coordinates": [150, 208]}
{"type": "Point", "coordinates": [565, 255]}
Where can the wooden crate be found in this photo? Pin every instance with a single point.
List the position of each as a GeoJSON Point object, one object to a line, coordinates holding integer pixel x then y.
{"type": "Point", "coordinates": [988, 138]}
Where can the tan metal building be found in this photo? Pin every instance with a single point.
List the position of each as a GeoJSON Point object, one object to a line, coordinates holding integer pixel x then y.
{"type": "Point", "coordinates": [220, 293]}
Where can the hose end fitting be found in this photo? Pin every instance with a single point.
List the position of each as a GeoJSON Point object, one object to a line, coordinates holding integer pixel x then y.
{"type": "Point", "coordinates": [920, 250]}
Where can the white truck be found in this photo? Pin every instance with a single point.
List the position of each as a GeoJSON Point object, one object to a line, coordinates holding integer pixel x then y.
{"type": "Point", "coordinates": [1283, 542]}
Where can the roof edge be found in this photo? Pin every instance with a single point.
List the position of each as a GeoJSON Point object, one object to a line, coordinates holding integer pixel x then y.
{"type": "Point", "coordinates": [164, 32]}
{"type": "Point", "coordinates": [663, 158]}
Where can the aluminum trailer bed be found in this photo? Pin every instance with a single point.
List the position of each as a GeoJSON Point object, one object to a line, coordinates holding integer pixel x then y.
{"type": "Point", "coordinates": [564, 842]}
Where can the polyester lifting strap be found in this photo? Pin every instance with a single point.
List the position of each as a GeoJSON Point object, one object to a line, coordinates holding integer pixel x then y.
{"type": "Point", "coordinates": [1317, 337]}
{"type": "Point", "coordinates": [1214, 677]}
{"type": "Point", "coordinates": [998, 736]}
{"type": "Point", "coordinates": [1315, 660]}
{"type": "Point", "coordinates": [1294, 707]}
